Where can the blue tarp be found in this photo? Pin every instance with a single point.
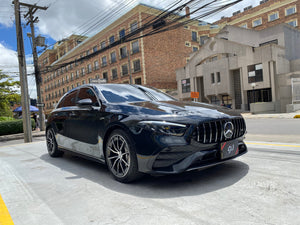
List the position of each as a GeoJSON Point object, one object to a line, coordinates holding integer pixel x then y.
{"type": "Point", "coordinates": [32, 109]}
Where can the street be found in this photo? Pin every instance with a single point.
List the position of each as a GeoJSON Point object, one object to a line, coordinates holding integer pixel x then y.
{"type": "Point", "coordinates": [261, 187]}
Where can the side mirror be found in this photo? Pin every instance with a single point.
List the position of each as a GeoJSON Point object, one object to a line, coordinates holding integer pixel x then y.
{"type": "Point", "coordinates": [84, 102]}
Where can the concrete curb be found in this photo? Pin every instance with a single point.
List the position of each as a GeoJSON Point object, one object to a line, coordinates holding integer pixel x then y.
{"type": "Point", "coordinates": [21, 136]}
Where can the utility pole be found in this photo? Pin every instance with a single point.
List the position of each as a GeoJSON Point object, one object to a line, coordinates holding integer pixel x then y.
{"type": "Point", "coordinates": [38, 80]}
{"type": "Point", "coordinates": [23, 76]}
{"type": "Point", "coordinates": [129, 68]}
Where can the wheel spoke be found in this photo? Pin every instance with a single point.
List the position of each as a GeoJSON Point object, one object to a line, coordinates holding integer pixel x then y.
{"type": "Point", "coordinates": [125, 162]}
{"type": "Point", "coordinates": [112, 157]}
{"type": "Point", "coordinates": [112, 150]}
{"type": "Point", "coordinates": [114, 163]}
{"type": "Point", "coordinates": [121, 167]}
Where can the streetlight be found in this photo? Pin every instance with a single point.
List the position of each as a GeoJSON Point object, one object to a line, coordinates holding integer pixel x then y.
{"type": "Point", "coordinates": [253, 94]}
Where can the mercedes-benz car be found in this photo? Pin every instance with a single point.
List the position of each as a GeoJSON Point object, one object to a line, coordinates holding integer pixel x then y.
{"type": "Point", "coordinates": [135, 130]}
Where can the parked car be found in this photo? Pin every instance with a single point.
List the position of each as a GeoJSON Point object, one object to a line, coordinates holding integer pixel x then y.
{"type": "Point", "coordinates": [135, 130]}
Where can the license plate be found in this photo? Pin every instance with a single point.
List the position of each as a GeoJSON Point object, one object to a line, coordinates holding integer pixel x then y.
{"type": "Point", "coordinates": [229, 149]}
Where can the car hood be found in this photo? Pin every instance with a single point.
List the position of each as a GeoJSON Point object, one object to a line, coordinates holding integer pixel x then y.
{"type": "Point", "coordinates": [172, 110]}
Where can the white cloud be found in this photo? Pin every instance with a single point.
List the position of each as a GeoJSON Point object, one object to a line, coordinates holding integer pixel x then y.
{"type": "Point", "coordinates": [9, 65]}
{"type": "Point", "coordinates": [63, 18]}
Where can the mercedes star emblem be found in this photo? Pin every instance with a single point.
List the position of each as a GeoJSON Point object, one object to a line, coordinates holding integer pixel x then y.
{"type": "Point", "coordinates": [228, 130]}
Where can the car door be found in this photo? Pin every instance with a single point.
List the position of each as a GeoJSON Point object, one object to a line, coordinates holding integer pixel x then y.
{"type": "Point", "coordinates": [85, 124]}
{"type": "Point", "coordinates": [63, 124]}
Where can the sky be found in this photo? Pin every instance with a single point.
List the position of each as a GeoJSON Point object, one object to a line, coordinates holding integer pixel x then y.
{"type": "Point", "coordinates": [65, 17]}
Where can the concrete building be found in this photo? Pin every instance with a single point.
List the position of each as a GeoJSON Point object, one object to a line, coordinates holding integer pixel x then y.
{"type": "Point", "coordinates": [240, 66]}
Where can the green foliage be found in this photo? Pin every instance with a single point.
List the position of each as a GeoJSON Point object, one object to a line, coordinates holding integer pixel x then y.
{"type": "Point", "coordinates": [8, 94]}
{"type": "Point", "coordinates": [13, 127]}
{"type": "Point", "coordinates": [5, 118]}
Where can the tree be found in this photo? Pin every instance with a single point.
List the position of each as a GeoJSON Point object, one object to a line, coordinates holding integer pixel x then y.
{"type": "Point", "coordinates": [8, 94]}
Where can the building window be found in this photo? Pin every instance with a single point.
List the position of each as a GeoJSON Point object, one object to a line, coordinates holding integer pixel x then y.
{"type": "Point", "coordinates": [123, 52]}
{"type": "Point", "coordinates": [77, 73]}
{"type": "Point", "coordinates": [293, 23]}
{"type": "Point", "coordinates": [112, 39]}
{"type": "Point", "coordinates": [136, 66]}
{"type": "Point", "coordinates": [226, 101]}
{"type": "Point", "coordinates": [78, 84]}
{"type": "Point", "coordinates": [72, 76]}
{"type": "Point", "coordinates": [114, 74]}
{"type": "Point", "coordinates": [256, 22]}
{"type": "Point", "coordinates": [186, 85]}
{"type": "Point", "coordinates": [104, 74]}
{"type": "Point", "coordinates": [82, 71]}
{"type": "Point", "coordinates": [122, 33]}
{"type": "Point", "coordinates": [244, 25]}
{"type": "Point", "coordinates": [218, 77]}
{"type": "Point", "coordinates": [215, 100]}
{"type": "Point", "coordinates": [138, 81]}
{"type": "Point", "coordinates": [103, 44]}
{"type": "Point", "coordinates": [124, 70]}
{"type": "Point", "coordinates": [83, 82]}
{"type": "Point", "coordinates": [195, 49]}
{"type": "Point", "coordinates": [255, 73]}
{"type": "Point", "coordinates": [89, 68]}
{"type": "Point", "coordinates": [113, 57]}
{"type": "Point", "coordinates": [133, 27]}
{"type": "Point", "coordinates": [135, 47]}
{"type": "Point", "coordinates": [212, 76]}
{"type": "Point", "coordinates": [194, 36]}
{"type": "Point", "coordinates": [203, 39]}
{"type": "Point", "coordinates": [97, 77]}
{"type": "Point", "coordinates": [87, 52]}
{"type": "Point", "coordinates": [96, 65]}
{"type": "Point", "coordinates": [273, 16]}
{"type": "Point", "coordinates": [104, 61]}
{"type": "Point", "coordinates": [259, 95]}
{"type": "Point", "coordinates": [94, 48]}
{"type": "Point", "coordinates": [290, 11]}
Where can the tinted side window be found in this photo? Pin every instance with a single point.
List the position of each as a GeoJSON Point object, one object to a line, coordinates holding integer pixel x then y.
{"type": "Point", "coordinates": [69, 100]}
{"type": "Point", "coordinates": [88, 93]}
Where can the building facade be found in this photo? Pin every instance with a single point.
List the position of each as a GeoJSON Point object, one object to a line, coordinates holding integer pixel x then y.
{"type": "Point", "coordinates": [153, 59]}
{"type": "Point", "coordinates": [239, 66]}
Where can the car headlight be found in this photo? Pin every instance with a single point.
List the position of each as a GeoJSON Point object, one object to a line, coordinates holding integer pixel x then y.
{"type": "Point", "coordinates": [163, 127]}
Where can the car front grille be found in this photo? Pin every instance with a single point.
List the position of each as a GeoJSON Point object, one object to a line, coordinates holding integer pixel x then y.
{"type": "Point", "coordinates": [213, 131]}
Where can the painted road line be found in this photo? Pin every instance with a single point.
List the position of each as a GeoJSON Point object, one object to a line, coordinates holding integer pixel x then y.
{"type": "Point", "coordinates": [272, 144]}
{"type": "Point", "coordinates": [5, 218]}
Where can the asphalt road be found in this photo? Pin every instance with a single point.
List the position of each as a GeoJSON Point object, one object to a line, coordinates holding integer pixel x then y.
{"type": "Point", "coordinates": [273, 130]}
{"type": "Point", "coordinates": [261, 187]}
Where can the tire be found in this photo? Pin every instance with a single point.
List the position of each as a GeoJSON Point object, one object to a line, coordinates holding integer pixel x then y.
{"type": "Point", "coordinates": [52, 147]}
{"type": "Point", "coordinates": [120, 156]}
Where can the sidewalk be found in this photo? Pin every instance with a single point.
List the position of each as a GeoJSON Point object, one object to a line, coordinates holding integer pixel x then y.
{"type": "Point", "coordinates": [21, 136]}
{"type": "Point", "coordinates": [271, 115]}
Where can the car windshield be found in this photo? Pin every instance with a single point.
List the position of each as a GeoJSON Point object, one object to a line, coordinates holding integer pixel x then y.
{"type": "Point", "coordinates": [118, 93]}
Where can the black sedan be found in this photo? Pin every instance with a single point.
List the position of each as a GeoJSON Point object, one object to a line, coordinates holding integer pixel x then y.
{"type": "Point", "coordinates": [136, 129]}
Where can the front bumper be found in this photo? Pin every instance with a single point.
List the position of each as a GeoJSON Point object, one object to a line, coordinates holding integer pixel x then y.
{"type": "Point", "coordinates": [178, 159]}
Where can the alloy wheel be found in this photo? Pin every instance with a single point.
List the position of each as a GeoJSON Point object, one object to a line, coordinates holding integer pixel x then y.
{"type": "Point", "coordinates": [118, 156]}
{"type": "Point", "coordinates": [50, 141]}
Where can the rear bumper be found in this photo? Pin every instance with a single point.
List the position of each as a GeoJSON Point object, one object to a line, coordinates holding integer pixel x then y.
{"type": "Point", "coordinates": [196, 160]}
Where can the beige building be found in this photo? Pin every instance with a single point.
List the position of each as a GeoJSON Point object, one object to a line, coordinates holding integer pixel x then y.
{"type": "Point", "coordinates": [239, 66]}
